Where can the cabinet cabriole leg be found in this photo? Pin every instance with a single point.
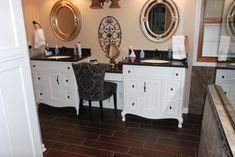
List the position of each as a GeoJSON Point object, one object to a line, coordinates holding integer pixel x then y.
{"type": "Point", "coordinates": [180, 120]}
{"type": "Point", "coordinates": [123, 116]}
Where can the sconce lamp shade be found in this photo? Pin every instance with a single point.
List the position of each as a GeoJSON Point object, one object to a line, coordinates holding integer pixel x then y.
{"type": "Point", "coordinates": [95, 4]}
{"type": "Point", "coordinates": [114, 4]}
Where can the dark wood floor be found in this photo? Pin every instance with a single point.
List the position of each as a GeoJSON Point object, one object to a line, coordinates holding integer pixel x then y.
{"type": "Point", "coordinates": [66, 136]}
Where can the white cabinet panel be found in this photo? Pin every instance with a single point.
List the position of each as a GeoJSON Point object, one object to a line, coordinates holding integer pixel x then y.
{"type": "Point", "coordinates": [151, 97]}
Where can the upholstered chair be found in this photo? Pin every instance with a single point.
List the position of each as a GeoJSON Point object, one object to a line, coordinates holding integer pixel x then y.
{"type": "Point", "coordinates": [91, 85]}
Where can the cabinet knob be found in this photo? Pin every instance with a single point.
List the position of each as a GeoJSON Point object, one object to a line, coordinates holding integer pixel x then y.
{"type": "Point", "coordinates": [67, 80]}
{"type": "Point", "coordinates": [133, 104]}
{"type": "Point", "coordinates": [68, 68]}
{"type": "Point", "coordinates": [172, 89]}
{"type": "Point", "coordinates": [41, 94]}
{"type": "Point", "coordinates": [129, 71]}
{"type": "Point", "coordinates": [68, 97]}
{"type": "Point", "coordinates": [170, 107]}
{"type": "Point", "coordinates": [177, 74]}
{"type": "Point", "coordinates": [222, 76]}
{"type": "Point", "coordinates": [225, 93]}
{"type": "Point", "coordinates": [39, 78]}
{"type": "Point", "coordinates": [34, 66]}
{"type": "Point", "coordinates": [133, 86]}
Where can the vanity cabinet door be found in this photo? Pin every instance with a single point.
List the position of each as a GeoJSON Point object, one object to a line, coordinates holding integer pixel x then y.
{"type": "Point", "coordinates": [151, 90]}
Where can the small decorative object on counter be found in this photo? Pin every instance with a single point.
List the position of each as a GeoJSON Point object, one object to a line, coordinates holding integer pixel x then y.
{"type": "Point", "coordinates": [142, 54]}
{"type": "Point", "coordinates": [57, 51]}
{"type": "Point", "coordinates": [79, 48]}
{"type": "Point", "coordinates": [132, 54]}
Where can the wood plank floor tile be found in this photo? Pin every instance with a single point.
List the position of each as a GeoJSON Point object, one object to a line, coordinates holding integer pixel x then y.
{"type": "Point", "coordinates": [56, 153]}
{"type": "Point", "coordinates": [150, 153]}
{"type": "Point", "coordinates": [52, 144]}
{"type": "Point", "coordinates": [81, 134]}
{"type": "Point", "coordinates": [63, 138]}
{"type": "Point", "coordinates": [106, 146]}
{"type": "Point", "coordinates": [172, 149]}
{"type": "Point", "coordinates": [121, 141]}
{"type": "Point", "coordinates": [88, 151]}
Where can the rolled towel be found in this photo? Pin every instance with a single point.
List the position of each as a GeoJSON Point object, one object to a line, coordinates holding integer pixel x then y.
{"type": "Point", "coordinates": [180, 47]}
{"type": "Point", "coordinates": [224, 47]}
{"type": "Point", "coordinates": [39, 38]}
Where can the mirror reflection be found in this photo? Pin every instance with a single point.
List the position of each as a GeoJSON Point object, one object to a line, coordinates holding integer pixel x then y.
{"type": "Point", "coordinates": [65, 20]}
{"type": "Point", "coordinates": [230, 22]}
{"type": "Point", "coordinates": [159, 19]}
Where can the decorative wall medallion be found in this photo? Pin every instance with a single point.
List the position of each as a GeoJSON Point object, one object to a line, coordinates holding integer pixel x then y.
{"type": "Point", "coordinates": [109, 32]}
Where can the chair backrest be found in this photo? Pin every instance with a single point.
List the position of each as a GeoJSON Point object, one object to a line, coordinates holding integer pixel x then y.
{"type": "Point", "coordinates": [90, 80]}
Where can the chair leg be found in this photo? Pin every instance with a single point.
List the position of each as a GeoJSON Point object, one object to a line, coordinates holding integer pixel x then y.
{"type": "Point", "coordinates": [101, 110]}
{"type": "Point", "coordinates": [80, 106]}
{"type": "Point", "coordinates": [115, 100]}
{"type": "Point", "coordinates": [90, 104]}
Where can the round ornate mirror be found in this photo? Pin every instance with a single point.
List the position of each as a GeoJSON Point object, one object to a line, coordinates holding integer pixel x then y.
{"type": "Point", "coordinates": [65, 20]}
{"type": "Point", "coordinates": [159, 19]}
{"type": "Point", "coordinates": [230, 21]}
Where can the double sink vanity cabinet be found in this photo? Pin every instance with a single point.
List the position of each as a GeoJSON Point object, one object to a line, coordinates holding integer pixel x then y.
{"type": "Point", "coordinates": [154, 91]}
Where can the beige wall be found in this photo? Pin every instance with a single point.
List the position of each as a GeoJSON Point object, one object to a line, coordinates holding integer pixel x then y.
{"type": "Point", "coordinates": [128, 18]}
{"type": "Point", "coordinates": [31, 12]}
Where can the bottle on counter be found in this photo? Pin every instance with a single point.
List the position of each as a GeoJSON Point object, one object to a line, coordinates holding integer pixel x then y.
{"type": "Point", "coordinates": [79, 49]}
{"type": "Point", "coordinates": [57, 51]}
{"type": "Point", "coordinates": [142, 54]}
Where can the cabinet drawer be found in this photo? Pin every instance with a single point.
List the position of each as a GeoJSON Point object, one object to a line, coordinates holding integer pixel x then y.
{"type": "Point", "coordinates": [222, 76]}
{"type": "Point", "coordinates": [128, 70]}
{"type": "Point", "coordinates": [177, 74]}
{"type": "Point", "coordinates": [132, 104]}
{"type": "Point", "coordinates": [171, 90]}
{"type": "Point", "coordinates": [153, 72]}
{"type": "Point", "coordinates": [132, 86]}
{"type": "Point", "coordinates": [68, 80]}
{"type": "Point", "coordinates": [51, 67]}
{"type": "Point", "coordinates": [170, 108]}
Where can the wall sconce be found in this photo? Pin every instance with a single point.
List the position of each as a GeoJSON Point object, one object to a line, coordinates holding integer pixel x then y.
{"type": "Point", "coordinates": [98, 4]}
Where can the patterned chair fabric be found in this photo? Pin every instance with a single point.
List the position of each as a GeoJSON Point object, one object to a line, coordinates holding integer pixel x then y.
{"type": "Point", "coordinates": [91, 84]}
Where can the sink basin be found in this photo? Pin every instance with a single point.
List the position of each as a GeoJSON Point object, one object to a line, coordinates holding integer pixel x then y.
{"type": "Point", "coordinates": [59, 57]}
{"type": "Point", "coordinates": [154, 61]}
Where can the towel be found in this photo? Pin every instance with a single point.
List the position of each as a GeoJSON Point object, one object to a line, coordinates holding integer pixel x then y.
{"type": "Point", "coordinates": [39, 38]}
{"type": "Point", "coordinates": [224, 47]}
{"type": "Point", "coordinates": [180, 46]}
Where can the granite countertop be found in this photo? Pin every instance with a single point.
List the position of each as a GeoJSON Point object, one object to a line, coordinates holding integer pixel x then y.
{"type": "Point", "coordinates": [225, 113]}
{"type": "Point", "coordinates": [172, 63]}
{"type": "Point", "coordinates": [74, 58]}
{"type": "Point", "coordinates": [224, 65]}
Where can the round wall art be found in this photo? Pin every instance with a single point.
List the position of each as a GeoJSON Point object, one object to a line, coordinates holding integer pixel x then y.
{"type": "Point", "coordinates": [109, 32]}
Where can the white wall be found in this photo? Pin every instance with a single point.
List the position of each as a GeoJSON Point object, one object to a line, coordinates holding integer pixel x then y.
{"type": "Point", "coordinates": [128, 18]}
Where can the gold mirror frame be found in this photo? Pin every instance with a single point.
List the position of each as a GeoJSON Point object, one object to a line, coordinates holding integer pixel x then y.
{"type": "Point", "coordinates": [144, 20]}
{"type": "Point", "coordinates": [76, 26]}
